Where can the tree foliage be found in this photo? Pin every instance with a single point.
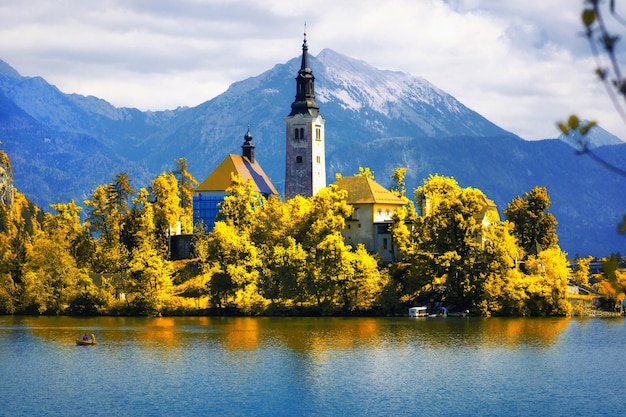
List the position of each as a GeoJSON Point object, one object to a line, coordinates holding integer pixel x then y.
{"type": "Point", "coordinates": [268, 256]}
{"type": "Point", "coordinates": [457, 252]}
{"type": "Point", "coordinates": [534, 224]}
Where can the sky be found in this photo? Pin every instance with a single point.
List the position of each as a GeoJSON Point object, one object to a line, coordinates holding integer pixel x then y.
{"type": "Point", "coordinates": [521, 64]}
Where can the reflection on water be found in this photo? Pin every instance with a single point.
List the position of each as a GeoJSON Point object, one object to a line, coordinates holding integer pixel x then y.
{"type": "Point", "coordinates": [311, 366]}
{"type": "Point", "coordinates": [298, 334]}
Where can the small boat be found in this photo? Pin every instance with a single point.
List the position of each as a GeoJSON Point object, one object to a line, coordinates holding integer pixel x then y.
{"type": "Point", "coordinates": [86, 340]}
{"type": "Point", "coordinates": [418, 312]}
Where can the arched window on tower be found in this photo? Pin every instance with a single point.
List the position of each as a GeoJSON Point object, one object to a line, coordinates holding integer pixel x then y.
{"type": "Point", "coordinates": [297, 133]}
{"type": "Point", "coordinates": [298, 159]}
{"type": "Point", "coordinates": [301, 133]}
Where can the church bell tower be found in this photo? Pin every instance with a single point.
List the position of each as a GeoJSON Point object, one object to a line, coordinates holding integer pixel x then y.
{"type": "Point", "coordinates": [305, 172]}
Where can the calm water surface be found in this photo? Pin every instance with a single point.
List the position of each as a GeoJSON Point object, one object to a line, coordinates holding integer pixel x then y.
{"type": "Point", "coordinates": [313, 367]}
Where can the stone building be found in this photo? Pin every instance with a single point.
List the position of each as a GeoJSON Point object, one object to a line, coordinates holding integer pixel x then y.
{"type": "Point", "coordinates": [305, 167]}
{"type": "Point", "coordinates": [369, 224]}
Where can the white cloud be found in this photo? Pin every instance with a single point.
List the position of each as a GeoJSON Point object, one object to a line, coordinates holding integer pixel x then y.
{"type": "Point", "coordinates": [522, 65]}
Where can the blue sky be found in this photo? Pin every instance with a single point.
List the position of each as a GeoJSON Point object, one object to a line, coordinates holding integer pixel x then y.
{"type": "Point", "coordinates": [521, 64]}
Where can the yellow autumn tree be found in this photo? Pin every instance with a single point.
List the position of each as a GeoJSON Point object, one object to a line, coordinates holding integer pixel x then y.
{"type": "Point", "coordinates": [18, 226]}
{"type": "Point", "coordinates": [547, 279]}
{"type": "Point", "coordinates": [228, 253]}
{"type": "Point", "coordinates": [283, 258]}
{"type": "Point", "coordinates": [233, 262]}
{"type": "Point", "coordinates": [167, 210]}
{"type": "Point", "coordinates": [149, 273]}
{"type": "Point", "coordinates": [582, 272]}
{"type": "Point", "coordinates": [186, 187]}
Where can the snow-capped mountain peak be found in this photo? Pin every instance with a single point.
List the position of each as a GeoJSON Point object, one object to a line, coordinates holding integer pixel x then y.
{"type": "Point", "coordinates": [384, 96]}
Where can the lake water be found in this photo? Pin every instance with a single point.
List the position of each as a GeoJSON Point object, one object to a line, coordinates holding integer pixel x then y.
{"type": "Point", "coordinates": [313, 367]}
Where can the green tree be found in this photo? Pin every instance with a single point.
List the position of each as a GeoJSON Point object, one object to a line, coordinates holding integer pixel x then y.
{"type": "Point", "coordinates": [283, 258]}
{"type": "Point", "coordinates": [452, 233]}
{"type": "Point", "coordinates": [228, 254]}
{"type": "Point", "coordinates": [582, 272]}
{"type": "Point", "coordinates": [53, 277]}
{"type": "Point", "coordinates": [167, 210]}
{"type": "Point", "coordinates": [111, 221]}
{"type": "Point", "coordinates": [365, 283]}
{"type": "Point", "coordinates": [455, 250]}
{"type": "Point", "coordinates": [186, 187]}
{"type": "Point", "coordinates": [147, 274]}
{"type": "Point", "coordinates": [121, 192]}
{"type": "Point", "coordinates": [233, 261]}
{"type": "Point", "coordinates": [611, 284]}
{"type": "Point", "coordinates": [534, 224]}
{"type": "Point", "coordinates": [399, 184]}
{"type": "Point", "coordinates": [57, 260]}
{"type": "Point", "coordinates": [20, 224]}
{"type": "Point", "coordinates": [240, 203]}
{"type": "Point", "coordinates": [503, 287]}
{"type": "Point", "coordinates": [319, 233]}
{"type": "Point", "coordinates": [547, 282]}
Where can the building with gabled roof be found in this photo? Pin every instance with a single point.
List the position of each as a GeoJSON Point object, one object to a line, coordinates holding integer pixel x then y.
{"type": "Point", "coordinates": [369, 224]}
{"type": "Point", "coordinates": [487, 216]}
{"type": "Point", "coordinates": [211, 192]}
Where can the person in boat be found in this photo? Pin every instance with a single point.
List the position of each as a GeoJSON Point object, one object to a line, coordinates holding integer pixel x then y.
{"type": "Point", "coordinates": [85, 338]}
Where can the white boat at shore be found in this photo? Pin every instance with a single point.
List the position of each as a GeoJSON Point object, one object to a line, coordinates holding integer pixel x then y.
{"type": "Point", "coordinates": [418, 311]}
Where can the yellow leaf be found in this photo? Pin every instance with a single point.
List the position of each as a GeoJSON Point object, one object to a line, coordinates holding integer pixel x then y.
{"type": "Point", "coordinates": [588, 17]}
{"type": "Point", "coordinates": [573, 122]}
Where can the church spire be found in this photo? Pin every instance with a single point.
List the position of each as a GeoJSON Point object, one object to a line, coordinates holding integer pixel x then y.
{"type": "Point", "coordinates": [247, 149]}
{"type": "Point", "coordinates": [304, 66]}
{"type": "Point", "coordinates": [305, 87]}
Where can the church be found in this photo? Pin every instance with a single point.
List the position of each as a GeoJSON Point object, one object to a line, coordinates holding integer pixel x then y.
{"type": "Point", "coordinates": [305, 174]}
{"type": "Point", "coordinates": [211, 192]}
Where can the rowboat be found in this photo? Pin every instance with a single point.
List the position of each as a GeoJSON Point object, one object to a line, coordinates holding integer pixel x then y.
{"type": "Point", "coordinates": [85, 340]}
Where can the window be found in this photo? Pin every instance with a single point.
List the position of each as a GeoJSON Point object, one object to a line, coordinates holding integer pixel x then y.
{"type": "Point", "coordinates": [319, 160]}
{"type": "Point", "coordinates": [297, 134]}
{"type": "Point", "coordinates": [205, 209]}
{"type": "Point", "coordinates": [383, 229]}
{"type": "Point", "coordinates": [301, 133]}
{"type": "Point", "coordinates": [318, 133]}
{"type": "Point", "coordinates": [298, 159]}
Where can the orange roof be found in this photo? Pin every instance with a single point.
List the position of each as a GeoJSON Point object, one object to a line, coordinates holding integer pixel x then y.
{"type": "Point", "coordinates": [363, 190]}
{"type": "Point", "coordinates": [220, 178]}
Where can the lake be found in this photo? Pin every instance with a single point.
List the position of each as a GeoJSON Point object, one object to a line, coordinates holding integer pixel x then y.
{"type": "Point", "coordinates": [207, 366]}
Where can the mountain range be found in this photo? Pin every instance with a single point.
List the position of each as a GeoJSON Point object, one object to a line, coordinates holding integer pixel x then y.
{"type": "Point", "coordinates": [63, 145]}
